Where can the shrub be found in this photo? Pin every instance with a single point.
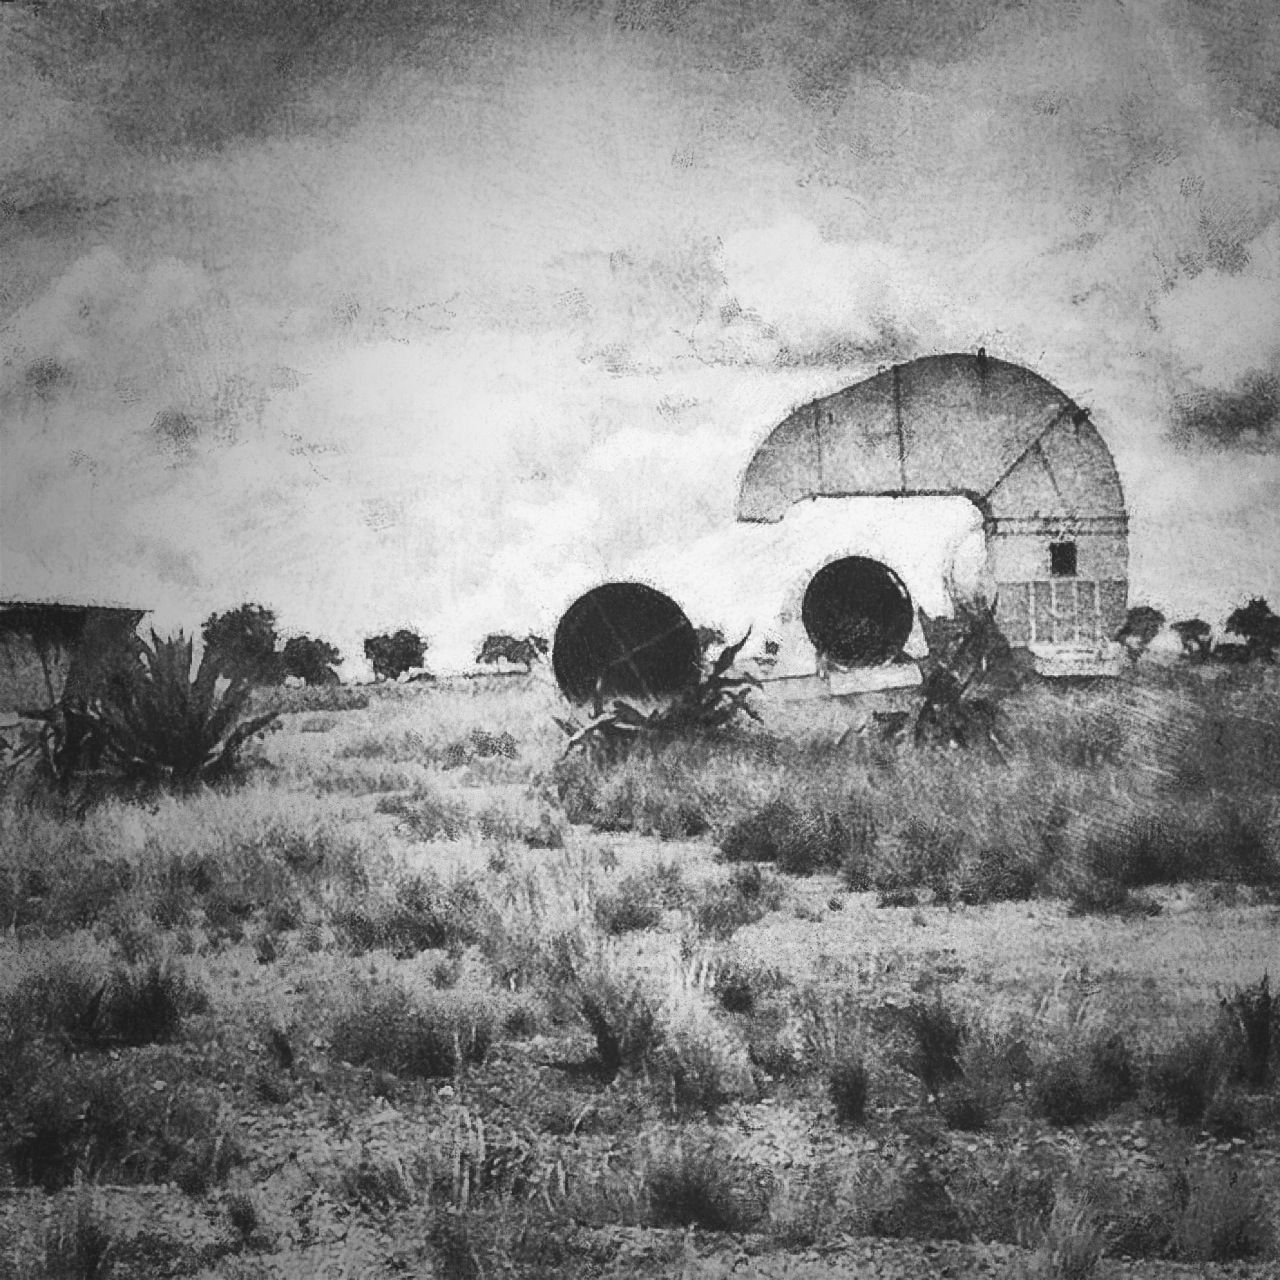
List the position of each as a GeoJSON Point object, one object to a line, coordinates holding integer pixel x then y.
{"type": "Point", "coordinates": [82, 1008]}
{"type": "Point", "coordinates": [1072, 1244]}
{"type": "Point", "coordinates": [704, 1063]}
{"type": "Point", "coordinates": [1183, 1079]}
{"type": "Point", "coordinates": [1219, 1215]}
{"type": "Point", "coordinates": [847, 1082]}
{"type": "Point", "coordinates": [639, 899]}
{"type": "Point", "coordinates": [800, 842]}
{"type": "Point", "coordinates": [428, 814]}
{"type": "Point", "coordinates": [748, 896]}
{"type": "Point", "coordinates": [430, 1035]}
{"type": "Point", "coordinates": [1082, 1083]}
{"type": "Point", "coordinates": [424, 915]}
{"type": "Point", "coordinates": [105, 1121]}
{"type": "Point", "coordinates": [939, 1034]}
{"type": "Point", "coordinates": [623, 1017]}
{"type": "Point", "coordinates": [692, 1185]}
{"type": "Point", "coordinates": [1253, 1011]}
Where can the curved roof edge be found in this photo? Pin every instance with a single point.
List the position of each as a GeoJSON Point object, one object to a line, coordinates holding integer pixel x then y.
{"type": "Point", "coordinates": [960, 424]}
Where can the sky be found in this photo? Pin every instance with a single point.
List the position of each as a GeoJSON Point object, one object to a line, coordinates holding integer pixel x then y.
{"type": "Point", "coordinates": [393, 313]}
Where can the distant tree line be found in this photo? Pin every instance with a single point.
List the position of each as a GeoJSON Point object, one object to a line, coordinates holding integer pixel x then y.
{"type": "Point", "coordinates": [1255, 623]}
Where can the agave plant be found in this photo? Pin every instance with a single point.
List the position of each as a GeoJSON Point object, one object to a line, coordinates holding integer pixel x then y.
{"type": "Point", "coordinates": [969, 668]}
{"type": "Point", "coordinates": [158, 724]}
{"type": "Point", "coordinates": [713, 701]}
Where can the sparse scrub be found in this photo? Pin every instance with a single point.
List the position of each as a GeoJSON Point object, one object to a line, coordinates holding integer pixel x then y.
{"type": "Point", "coordinates": [431, 1034]}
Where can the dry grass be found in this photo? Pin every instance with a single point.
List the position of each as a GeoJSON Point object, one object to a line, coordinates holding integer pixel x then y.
{"type": "Point", "coordinates": [425, 943]}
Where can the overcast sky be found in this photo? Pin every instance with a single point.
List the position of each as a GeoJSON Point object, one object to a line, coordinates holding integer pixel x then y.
{"type": "Point", "coordinates": [391, 313]}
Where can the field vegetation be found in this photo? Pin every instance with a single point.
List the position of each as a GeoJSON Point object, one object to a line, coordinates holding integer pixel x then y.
{"type": "Point", "coordinates": [404, 987]}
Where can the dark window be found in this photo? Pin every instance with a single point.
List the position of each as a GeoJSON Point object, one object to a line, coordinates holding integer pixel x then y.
{"type": "Point", "coordinates": [1062, 559]}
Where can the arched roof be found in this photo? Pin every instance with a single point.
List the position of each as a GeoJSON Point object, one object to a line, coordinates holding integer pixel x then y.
{"type": "Point", "coordinates": [965, 424]}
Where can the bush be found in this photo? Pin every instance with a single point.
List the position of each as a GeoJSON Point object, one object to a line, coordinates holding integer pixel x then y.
{"type": "Point", "coordinates": [1184, 1079]}
{"type": "Point", "coordinates": [639, 899]}
{"type": "Point", "coordinates": [104, 1121]}
{"type": "Point", "coordinates": [748, 896]}
{"type": "Point", "coordinates": [431, 1035]}
{"type": "Point", "coordinates": [428, 814]}
{"type": "Point", "coordinates": [82, 1008]}
{"type": "Point", "coordinates": [1082, 1083]}
{"type": "Point", "coordinates": [1253, 1012]}
{"type": "Point", "coordinates": [939, 1034]}
{"type": "Point", "coordinates": [799, 841]}
{"type": "Point", "coordinates": [692, 1186]}
{"type": "Point", "coordinates": [1219, 1215]}
{"type": "Point", "coordinates": [847, 1082]}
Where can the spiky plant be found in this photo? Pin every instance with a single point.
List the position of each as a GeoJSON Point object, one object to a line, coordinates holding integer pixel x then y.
{"type": "Point", "coordinates": [161, 725]}
{"type": "Point", "coordinates": [969, 668]}
{"type": "Point", "coordinates": [712, 702]}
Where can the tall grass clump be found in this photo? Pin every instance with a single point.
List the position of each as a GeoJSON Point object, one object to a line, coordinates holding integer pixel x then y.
{"type": "Point", "coordinates": [428, 1034]}
{"type": "Point", "coordinates": [423, 914]}
{"type": "Point", "coordinates": [1220, 1215]}
{"type": "Point", "coordinates": [1253, 1012]}
{"type": "Point", "coordinates": [692, 1185]}
{"type": "Point", "coordinates": [1084, 1079]}
{"type": "Point", "coordinates": [67, 1119]}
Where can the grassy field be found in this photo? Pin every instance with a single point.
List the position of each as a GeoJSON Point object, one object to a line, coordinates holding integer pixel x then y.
{"type": "Point", "coordinates": [422, 997]}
